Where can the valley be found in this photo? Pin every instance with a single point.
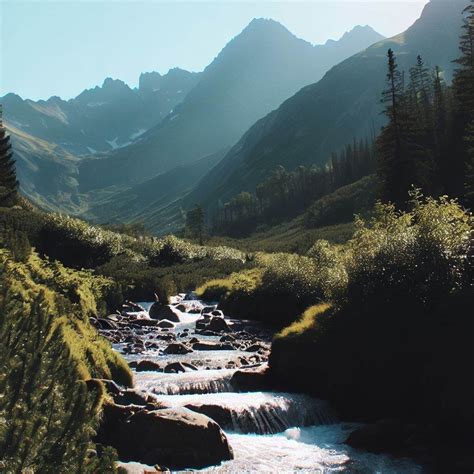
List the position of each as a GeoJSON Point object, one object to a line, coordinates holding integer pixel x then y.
{"type": "Point", "coordinates": [263, 266]}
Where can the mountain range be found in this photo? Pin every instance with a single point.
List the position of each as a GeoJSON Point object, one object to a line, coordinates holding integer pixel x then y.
{"type": "Point", "coordinates": [118, 154]}
{"type": "Point", "coordinates": [329, 114]}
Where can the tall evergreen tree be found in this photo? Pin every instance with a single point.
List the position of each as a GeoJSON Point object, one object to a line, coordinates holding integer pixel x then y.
{"type": "Point", "coordinates": [8, 181]}
{"type": "Point", "coordinates": [394, 166]}
{"type": "Point", "coordinates": [463, 89]}
{"type": "Point", "coordinates": [194, 226]}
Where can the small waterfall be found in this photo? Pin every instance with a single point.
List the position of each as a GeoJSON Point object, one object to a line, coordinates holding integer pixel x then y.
{"type": "Point", "coordinates": [280, 412]}
{"type": "Point", "coordinates": [257, 412]}
{"type": "Point", "coordinates": [198, 382]}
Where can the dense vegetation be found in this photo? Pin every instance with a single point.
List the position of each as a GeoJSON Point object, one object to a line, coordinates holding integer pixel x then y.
{"type": "Point", "coordinates": [395, 338]}
{"type": "Point", "coordinates": [49, 355]}
{"type": "Point", "coordinates": [284, 195]}
{"type": "Point", "coordinates": [428, 139]}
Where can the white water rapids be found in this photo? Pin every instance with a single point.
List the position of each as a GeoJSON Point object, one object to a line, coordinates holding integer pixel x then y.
{"type": "Point", "coordinates": [268, 431]}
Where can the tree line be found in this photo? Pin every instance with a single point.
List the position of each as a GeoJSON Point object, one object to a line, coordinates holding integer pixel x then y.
{"type": "Point", "coordinates": [428, 142]}
{"type": "Point", "coordinates": [285, 194]}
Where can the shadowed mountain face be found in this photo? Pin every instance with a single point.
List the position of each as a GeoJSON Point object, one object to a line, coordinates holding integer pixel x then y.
{"type": "Point", "coordinates": [252, 75]}
{"type": "Point", "coordinates": [103, 118]}
{"type": "Point", "coordinates": [322, 117]}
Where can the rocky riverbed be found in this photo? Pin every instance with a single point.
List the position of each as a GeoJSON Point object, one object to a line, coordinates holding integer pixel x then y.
{"type": "Point", "coordinates": [203, 400]}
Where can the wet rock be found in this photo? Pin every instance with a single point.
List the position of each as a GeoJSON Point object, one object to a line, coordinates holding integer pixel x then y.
{"type": "Point", "coordinates": [256, 348]}
{"type": "Point", "coordinates": [207, 332]}
{"type": "Point", "coordinates": [212, 346]}
{"type": "Point", "coordinates": [164, 312]}
{"type": "Point", "coordinates": [207, 309]}
{"type": "Point", "coordinates": [177, 348]}
{"type": "Point", "coordinates": [217, 313]}
{"type": "Point", "coordinates": [148, 366]}
{"type": "Point", "coordinates": [175, 437]}
{"type": "Point", "coordinates": [166, 337]}
{"type": "Point", "coordinates": [190, 296]}
{"type": "Point", "coordinates": [132, 396]}
{"type": "Point", "coordinates": [144, 322]}
{"type": "Point", "coordinates": [181, 307]}
{"type": "Point", "coordinates": [227, 338]}
{"type": "Point", "coordinates": [102, 323]}
{"type": "Point", "coordinates": [251, 380]}
{"type": "Point", "coordinates": [166, 324]}
{"type": "Point", "coordinates": [155, 308]}
{"type": "Point", "coordinates": [383, 436]}
{"type": "Point", "coordinates": [201, 324]}
{"type": "Point", "coordinates": [218, 324]}
{"type": "Point", "coordinates": [221, 415]}
{"type": "Point", "coordinates": [131, 306]}
{"type": "Point", "coordinates": [176, 367]}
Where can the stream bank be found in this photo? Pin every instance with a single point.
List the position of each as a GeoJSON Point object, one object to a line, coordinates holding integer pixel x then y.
{"type": "Point", "coordinates": [210, 388]}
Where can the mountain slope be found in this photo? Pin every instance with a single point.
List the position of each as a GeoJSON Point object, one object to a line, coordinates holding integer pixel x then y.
{"type": "Point", "coordinates": [47, 172]}
{"type": "Point", "coordinates": [253, 74]}
{"type": "Point", "coordinates": [102, 118]}
{"type": "Point", "coordinates": [322, 117]}
{"type": "Point", "coordinates": [154, 197]}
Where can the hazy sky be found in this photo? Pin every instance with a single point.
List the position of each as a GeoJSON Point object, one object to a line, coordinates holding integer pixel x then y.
{"type": "Point", "coordinates": [62, 47]}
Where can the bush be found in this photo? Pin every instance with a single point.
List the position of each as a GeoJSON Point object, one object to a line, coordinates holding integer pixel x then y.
{"type": "Point", "coordinates": [48, 412]}
{"type": "Point", "coordinates": [398, 340]}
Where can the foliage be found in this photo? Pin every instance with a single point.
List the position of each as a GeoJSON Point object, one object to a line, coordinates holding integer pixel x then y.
{"type": "Point", "coordinates": [285, 194]}
{"type": "Point", "coordinates": [397, 341]}
{"type": "Point", "coordinates": [426, 142]}
{"type": "Point", "coordinates": [8, 181]}
{"type": "Point", "coordinates": [341, 205]}
{"type": "Point", "coordinates": [48, 412]}
{"type": "Point", "coordinates": [194, 226]}
{"type": "Point", "coordinates": [308, 320]}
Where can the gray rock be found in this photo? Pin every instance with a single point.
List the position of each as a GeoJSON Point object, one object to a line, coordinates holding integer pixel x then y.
{"type": "Point", "coordinates": [164, 312]}
{"type": "Point", "coordinates": [177, 348]}
{"type": "Point", "coordinates": [175, 437]}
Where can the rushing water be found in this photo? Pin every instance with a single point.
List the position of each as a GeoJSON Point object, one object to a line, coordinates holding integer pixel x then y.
{"type": "Point", "coordinates": [268, 431]}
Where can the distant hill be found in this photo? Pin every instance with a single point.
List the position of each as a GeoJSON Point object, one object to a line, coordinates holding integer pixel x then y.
{"type": "Point", "coordinates": [253, 74]}
{"type": "Point", "coordinates": [103, 118]}
{"type": "Point", "coordinates": [323, 117]}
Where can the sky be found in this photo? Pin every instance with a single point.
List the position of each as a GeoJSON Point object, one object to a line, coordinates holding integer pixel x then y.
{"type": "Point", "coordinates": [63, 47]}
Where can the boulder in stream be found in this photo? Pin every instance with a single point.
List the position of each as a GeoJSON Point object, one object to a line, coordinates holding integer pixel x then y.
{"type": "Point", "coordinates": [148, 366]}
{"type": "Point", "coordinates": [251, 380]}
{"type": "Point", "coordinates": [175, 437]}
{"type": "Point", "coordinates": [166, 323]}
{"type": "Point", "coordinates": [177, 348]}
{"type": "Point", "coordinates": [163, 312]}
{"type": "Point", "coordinates": [213, 346]}
{"type": "Point", "coordinates": [176, 367]}
{"type": "Point", "coordinates": [218, 324]}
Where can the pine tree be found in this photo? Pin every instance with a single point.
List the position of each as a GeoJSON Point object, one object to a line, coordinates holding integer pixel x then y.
{"type": "Point", "coordinates": [463, 89]}
{"type": "Point", "coordinates": [393, 165]}
{"type": "Point", "coordinates": [194, 226]}
{"type": "Point", "coordinates": [8, 181]}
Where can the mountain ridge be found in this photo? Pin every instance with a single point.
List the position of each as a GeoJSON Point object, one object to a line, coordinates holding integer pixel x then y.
{"type": "Point", "coordinates": [306, 128]}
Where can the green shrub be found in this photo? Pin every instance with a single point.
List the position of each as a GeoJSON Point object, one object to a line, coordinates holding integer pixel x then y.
{"type": "Point", "coordinates": [48, 413]}
{"type": "Point", "coordinates": [398, 340]}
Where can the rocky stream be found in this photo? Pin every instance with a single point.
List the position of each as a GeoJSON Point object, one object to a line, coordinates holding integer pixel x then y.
{"type": "Point", "coordinates": [202, 400]}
